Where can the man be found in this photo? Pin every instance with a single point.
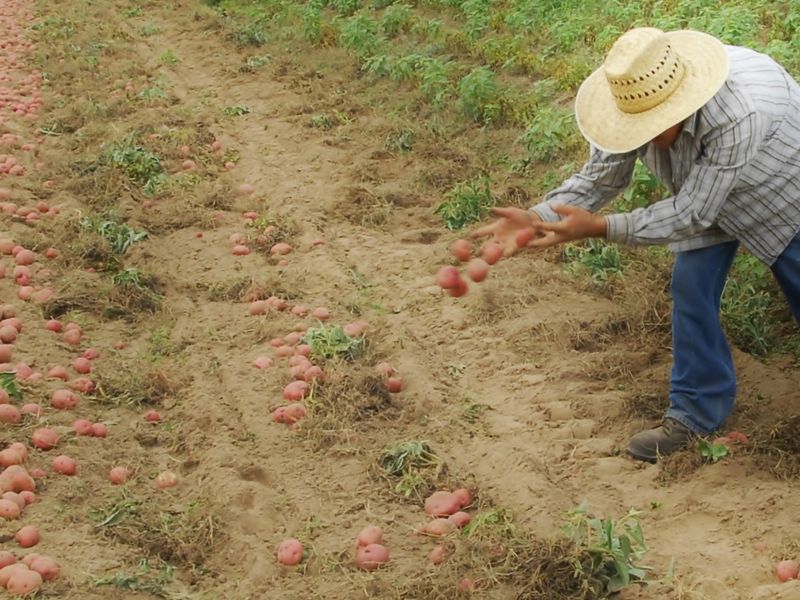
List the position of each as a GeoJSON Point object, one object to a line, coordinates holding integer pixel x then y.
{"type": "Point", "coordinates": [720, 127]}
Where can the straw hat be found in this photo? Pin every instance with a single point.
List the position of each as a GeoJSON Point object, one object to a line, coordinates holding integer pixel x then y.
{"type": "Point", "coordinates": [649, 82]}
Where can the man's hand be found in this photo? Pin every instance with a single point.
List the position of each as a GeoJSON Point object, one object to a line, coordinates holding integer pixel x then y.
{"type": "Point", "coordinates": [575, 224]}
{"type": "Point", "coordinates": [512, 230]}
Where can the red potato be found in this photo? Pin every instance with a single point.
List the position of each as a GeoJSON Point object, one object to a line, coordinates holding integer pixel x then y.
{"type": "Point", "coordinates": [82, 427]}
{"type": "Point", "coordinates": [166, 479]}
{"type": "Point", "coordinates": [28, 536]}
{"type": "Point", "coordinates": [28, 496]}
{"type": "Point", "coordinates": [371, 534]}
{"type": "Point", "coordinates": [263, 362]}
{"type": "Point", "coordinates": [152, 416]}
{"type": "Point", "coordinates": [296, 390]}
{"type": "Point", "coordinates": [787, 569]}
{"type": "Point", "coordinates": [58, 372]}
{"type": "Point", "coordinates": [7, 571]}
{"type": "Point", "coordinates": [16, 499]}
{"type": "Point", "coordinates": [298, 371]}
{"type": "Point", "coordinates": [44, 438]}
{"type": "Point", "coordinates": [8, 334]}
{"type": "Point", "coordinates": [4, 397]}
{"type": "Point", "coordinates": [463, 496]}
{"type": "Point", "coordinates": [448, 277]}
{"type": "Point", "coordinates": [322, 314]}
{"type": "Point", "coordinates": [10, 456]}
{"type": "Point", "coordinates": [467, 585]}
{"type": "Point", "coordinates": [437, 527]}
{"type": "Point", "coordinates": [257, 308]}
{"type": "Point", "coordinates": [82, 384]}
{"type": "Point", "coordinates": [20, 448]}
{"type": "Point", "coordinates": [300, 310]}
{"type": "Point", "coordinates": [5, 352]}
{"type": "Point", "coordinates": [9, 509]}
{"type": "Point", "coordinates": [292, 413]}
{"type": "Point", "coordinates": [371, 557]}
{"type": "Point", "coordinates": [462, 250]}
{"type": "Point", "coordinates": [119, 475]}
{"type": "Point", "coordinates": [355, 329]}
{"type": "Point", "coordinates": [284, 351]}
{"type": "Point", "coordinates": [16, 479]}
{"type": "Point", "coordinates": [6, 558]}
{"type": "Point", "coordinates": [459, 290]}
{"type": "Point", "coordinates": [24, 583]}
{"type": "Point", "coordinates": [438, 554]}
{"type": "Point", "coordinates": [460, 519]}
{"type": "Point", "coordinates": [65, 465]}
{"type": "Point", "coordinates": [6, 245]}
{"type": "Point", "coordinates": [53, 325]}
{"type": "Point", "coordinates": [47, 567]}
{"type": "Point", "coordinates": [245, 189]}
{"type": "Point", "coordinates": [82, 365]}
{"type": "Point", "coordinates": [492, 252]}
{"type": "Point", "coordinates": [280, 249]}
{"type": "Point", "coordinates": [72, 337]}
{"type": "Point", "coordinates": [31, 408]}
{"type": "Point", "coordinates": [303, 349]}
{"type": "Point", "coordinates": [290, 552]}
{"type": "Point", "coordinates": [525, 236]}
{"type": "Point", "coordinates": [313, 372]}
{"type": "Point", "coordinates": [293, 338]}
{"type": "Point", "coordinates": [63, 400]}
{"type": "Point", "coordinates": [51, 253]}
{"type": "Point", "coordinates": [91, 354]}
{"type": "Point", "coordinates": [9, 414]}
{"type": "Point", "coordinates": [189, 165]}
{"type": "Point", "coordinates": [737, 437]}
{"type": "Point", "coordinates": [394, 385]}
{"type": "Point", "coordinates": [99, 430]}
{"type": "Point", "coordinates": [25, 257]}
{"type": "Point", "coordinates": [240, 250]}
{"type": "Point", "coordinates": [441, 504]}
{"type": "Point", "coordinates": [478, 269]}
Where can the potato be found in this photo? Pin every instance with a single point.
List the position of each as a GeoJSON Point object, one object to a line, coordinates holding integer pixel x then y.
{"type": "Point", "coordinates": [441, 504]}
{"type": "Point", "coordinates": [460, 519]}
{"type": "Point", "coordinates": [787, 569]}
{"type": "Point", "coordinates": [65, 465]}
{"type": "Point", "coordinates": [438, 554]}
{"type": "Point", "coordinates": [371, 534]}
{"type": "Point", "coordinates": [9, 509]}
{"type": "Point", "coordinates": [27, 537]}
{"type": "Point", "coordinates": [437, 527]}
{"type": "Point", "coordinates": [461, 249]}
{"type": "Point", "coordinates": [290, 552]}
{"type": "Point", "coordinates": [463, 496]}
{"type": "Point", "coordinates": [478, 269]}
{"type": "Point", "coordinates": [448, 277]}
{"type": "Point", "coordinates": [44, 438]}
{"type": "Point", "coordinates": [371, 557]}
{"type": "Point", "coordinates": [47, 567]}
{"type": "Point", "coordinates": [16, 479]}
{"type": "Point", "coordinates": [7, 571]}
{"type": "Point", "coordinates": [24, 583]}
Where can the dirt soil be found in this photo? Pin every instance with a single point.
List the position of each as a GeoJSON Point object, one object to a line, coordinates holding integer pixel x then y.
{"type": "Point", "coordinates": [527, 388]}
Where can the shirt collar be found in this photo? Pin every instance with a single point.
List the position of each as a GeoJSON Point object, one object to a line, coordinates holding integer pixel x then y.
{"type": "Point", "coordinates": [690, 125]}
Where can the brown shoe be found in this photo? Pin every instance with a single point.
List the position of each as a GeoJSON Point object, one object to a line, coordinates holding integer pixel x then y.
{"type": "Point", "coordinates": [665, 439]}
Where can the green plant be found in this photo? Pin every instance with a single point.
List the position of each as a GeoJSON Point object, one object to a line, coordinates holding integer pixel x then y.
{"type": "Point", "coordinates": [396, 19]}
{"type": "Point", "coordinates": [236, 111]}
{"type": "Point", "coordinates": [644, 189]}
{"type": "Point", "coordinates": [466, 203]}
{"type": "Point", "coordinates": [610, 550]}
{"type": "Point", "coordinates": [360, 35]}
{"type": "Point", "coordinates": [480, 96]}
{"type": "Point", "coordinates": [135, 11]}
{"type": "Point", "coordinates": [168, 57]}
{"type": "Point", "coordinates": [148, 30]}
{"type": "Point", "coordinates": [712, 451]}
{"type": "Point", "coordinates": [601, 260]}
{"type": "Point", "coordinates": [120, 236]}
{"type": "Point", "coordinates": [144, 581]}
{"type": "Point", "coordinates": [139, 165]}
{"type": "Point", "coordinates": [321, 121]}
{"type": "Point", "coordinates": [251, 35]}
{"type": "Point", "coordinates": [414, 463]}
{"type": "Point", "coordinates": [330, 341]}
{"type": "Point", "coordinates": [550, 132]}
{"type": "Point", "coordinates": [153, 93]}
{"type": "Point", "coordinates": [345, 7]}
{"type": "Point", "coordinates": [436, 80]}
{"type": "Point", "coordinates": [746, 305]}
{"type": "Point", "coordinates": [8, 383]}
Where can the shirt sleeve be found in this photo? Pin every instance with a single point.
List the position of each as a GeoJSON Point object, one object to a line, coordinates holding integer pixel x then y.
{"type": "Point", "coordinates": [726, 151]}
{"type": "Point", "coordinates": [600, 180]}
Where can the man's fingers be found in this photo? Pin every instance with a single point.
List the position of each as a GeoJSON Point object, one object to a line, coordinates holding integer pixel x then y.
{"type": "Point", "coordinates": [557, 227]}
{"type": "Point", "coordinates": [551, 239]}
{"type": "Point", "coordinates": [504, 211]}
{"type": "Point", "coordinates": [484, 231]}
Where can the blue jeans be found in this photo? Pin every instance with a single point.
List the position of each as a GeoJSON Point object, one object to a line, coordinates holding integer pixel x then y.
{"type": "Point", "coordinates": [703, 382]}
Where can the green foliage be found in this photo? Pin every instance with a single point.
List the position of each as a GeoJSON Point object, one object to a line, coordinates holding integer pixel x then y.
{"type": "Point", "coordinates": [746, 306]}
{"type": "Point", "coordinates": [311, 16]}
{"type": "Point", "coordinates": [140, 165]}
{"type": "Point", "coordinates": [712, 451]}
{"type": "Point", "coordinates": [599, 259]}
{"type": "Point", "coordinates": [414, 463]}
{"type": "Point", "coordinates": [480, 96]}
{"type": "Point", "coordinates": [436, 80]}
{"type": "Point", "coordinates": [120, 236]}
{"type": "Point", "coordinates": [477, 16]}
{"type": "Point", "coordinates": [330, 341]}
{"type": "Point", "coordinates": [236, 111]}
{"type": "Point", "coordinates": [548, 133]}
{"type": "Point", "coordinates": [8, 383]}
{"type": "Point", "coordinates": [144, 581]}
{"type": "Point", "coordinates": [345, 7]}
{"type": "Point", "coordinates": [466, 203]}
{"type": "Point", "coordinates": [396, 20]}
{"type": "Point", "coordinates": [361, 35]}
{"type": "Point", "coordinates": [644, 189]}
{"type": "Point", "coordinates": [250, 35]}
{"type": "Point", "coordinates": [611, 549]}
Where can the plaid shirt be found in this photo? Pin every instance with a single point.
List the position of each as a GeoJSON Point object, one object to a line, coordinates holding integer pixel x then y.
{"type": "Point", "coordinates": [734, 170]}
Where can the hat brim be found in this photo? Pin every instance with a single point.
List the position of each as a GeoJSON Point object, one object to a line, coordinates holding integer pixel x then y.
{"type": "Point", "coordinates": [612, 130]}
